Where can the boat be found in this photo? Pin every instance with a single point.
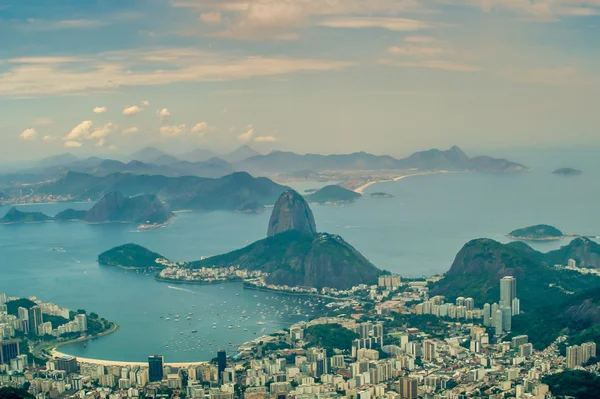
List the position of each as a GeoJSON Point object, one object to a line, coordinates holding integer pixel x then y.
{"type": "Point", "coordinates": [194, 331]}
{"type": "Point", "coordinates": [260, 323]}
{"type": "Point", "coordinates": [167, 318]}
{"type": "Point", "coordinates": [58, 249]}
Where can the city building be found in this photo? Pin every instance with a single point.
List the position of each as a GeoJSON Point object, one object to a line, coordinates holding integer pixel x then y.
{"type": "Point", "coordinates": [155, 368]}
{"type": "Point", "coordinates": [221, 363]}
{"type": "Point", "coordinates": [9, 350]}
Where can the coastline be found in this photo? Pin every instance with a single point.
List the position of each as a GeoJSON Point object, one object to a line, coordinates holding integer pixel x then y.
{"type": "Point", "coordinates": [43, 349]}
{"type": "Point", "coordinates": [361, 189]}
{"type": "Point", "coordinates": [56, 353]}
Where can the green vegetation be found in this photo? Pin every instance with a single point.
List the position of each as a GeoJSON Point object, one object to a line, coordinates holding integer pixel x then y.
{"type": "Point", "coordinates": [297, 259]}
{"type": "Point", "coordinates": [333, 193]}
{"type": "Point", "coordinates": [576, 383]}
{"type": "Point", "coordinates": [481, 263]}
{"type": "Point", "coordinates": [115, 207]}
{"type": "Point", "coordinates": [130, 256]}
{"type": "Point", "coordinates": [577, 315]}
{"type": "Point", "coordinates": [16, 216]}
{"type": "Point", "coordinates": [426, 323]}
{"type": "Point", "coordinates": [330, 337]}
{"type": "Point", "coordinates": [14, 393]}
{"type": "Point", "coordinates": [12, 307]}
{"type": "Point", "coordinates": [540, 232]}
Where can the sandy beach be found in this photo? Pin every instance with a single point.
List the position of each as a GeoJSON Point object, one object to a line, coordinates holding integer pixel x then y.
{"type": "Point", "coordinates": [56, 353]}
{"type": "Point", "coordinates": [362, 188]}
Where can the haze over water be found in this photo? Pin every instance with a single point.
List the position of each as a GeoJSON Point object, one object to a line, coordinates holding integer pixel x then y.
{"type": "Point", "coordinates": [418, 232]}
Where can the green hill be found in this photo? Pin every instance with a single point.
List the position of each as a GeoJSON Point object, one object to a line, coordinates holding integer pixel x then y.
{"type": "Point", "coordinates": [16, 216]}
{"type": "Point", "coordinates": [481, 263]}
{"type": "Point", "coordinates": [540, 232]}
{"type": "Point", "coordinates": [297, 259]}
{"type": "Point", "coordinates": [130, 256]}
{"type": "Point", "coordinates": [333, 193]}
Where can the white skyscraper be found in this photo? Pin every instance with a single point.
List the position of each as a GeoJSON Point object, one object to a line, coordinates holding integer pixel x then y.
{"type": "Point", "coordinates": [506, 318]}
{"type": "Point", "coordinates": [498, 322]}
{"type": "Point", "coordinates": [508, 290]}
{"type": "Point", "coordinates": [516, 306]}
{"type": "Point", "coordinates": [487, 315]}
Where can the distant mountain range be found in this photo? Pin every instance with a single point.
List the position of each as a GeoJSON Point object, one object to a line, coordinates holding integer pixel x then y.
{"type": "Point", "coordinates": [452, 159]}
{"type": "Point", "coordinates": [236, 192]}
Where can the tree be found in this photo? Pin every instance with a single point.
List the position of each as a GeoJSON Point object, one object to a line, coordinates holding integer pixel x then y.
{"type": "Point", "coordinates": [14, 393]}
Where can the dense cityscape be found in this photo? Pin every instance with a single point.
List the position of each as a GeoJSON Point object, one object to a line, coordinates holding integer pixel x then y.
{"type": "Point", "coordinates": [362, 352]}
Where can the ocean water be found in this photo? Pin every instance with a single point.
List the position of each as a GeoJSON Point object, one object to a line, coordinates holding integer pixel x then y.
{"type": "Point", "coordinates": [417, 232]}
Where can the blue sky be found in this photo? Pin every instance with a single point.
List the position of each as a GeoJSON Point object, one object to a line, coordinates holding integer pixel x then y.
{"type": "Point", "coordinates": [387, 76]}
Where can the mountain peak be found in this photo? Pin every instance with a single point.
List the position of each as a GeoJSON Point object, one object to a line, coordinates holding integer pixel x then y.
{"type": "Point", "coordinates": [291, 212]}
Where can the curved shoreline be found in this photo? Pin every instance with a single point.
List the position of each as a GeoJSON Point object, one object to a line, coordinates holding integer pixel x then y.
{"type": "Point", "coordinates": [362, 188]}
{"type": "Point", "coordinates": [102, 362]}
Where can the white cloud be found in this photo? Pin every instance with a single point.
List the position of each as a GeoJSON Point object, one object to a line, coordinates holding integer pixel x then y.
{"type": "Point", "coordinates": [433, 64]}
{"type": "Point", "coordinates": [42, 121]}
{"type": "Point", "coordinates": [417, 51]}
{"type": "Point", "coordinates": [42, 25]}
{"type": "Point", "coordinates": [163, 114]}
{"type": "Point", "coordinates": [101, 142]}
{"type": "Point", "coordinates": [113, 70]}
{"type": "Point", "coordinates": [173, 131]}
{"type": "Point", "coordinates": [132, 110]}
{"type": "Point", "coordinates": [28, 134]}
{"type": "Point", "coordinates": [102, 131]}
{"type": "Point", "coordinates": [113, 147]}
{"type": "Point", "coordinates": [130, 130]}
{"type": "Point", "coordinates": [73, 144]}
{"type": "Point", "coordinates": [211, 18]}
{"type": "Point", "coordinates": [145, 103]}
{"type": "Point", "coordinates": [48, 138]}
{"type": "Point", "coordinates": [79, 132]}
{"type": "Point", "coordinates": [419, 39]}
{"type": "Point", "coordinates": [247, 135]}
{"type": "Point", "coordinates": [393, 24]}
{"type": "Point", "coordinates": [200, 127]}
{"type": "Point", "coordinates": [266, 139]}
{"type": "Point", "coordinates": [100, 110]}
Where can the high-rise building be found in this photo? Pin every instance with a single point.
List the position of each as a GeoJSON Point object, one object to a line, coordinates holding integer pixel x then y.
{"type": "Point", "coordinates": [35, 319]}
{"type": "Point", "coordinates": [526, 350]}
{"type": "Point", "coordinates": [408, 388]}
{"type": "Point", "coordinates": [460, 301]}
{"type": "Point", "coordinates": [221, 363]}
{"type": "Point", "coordinates": [508, 290]}
{"type": "Point", "coordinates": [487, 315]}
{"type": "Point", "coordinates": [429, 353]}
{"type": "Point", "coordinates": [498, 322]}
{"type": "Point", "coordinates": [470, 303]}
{"type": "Point", "coordinates": [81, 320]}
{"type": "Point", "coordinates": [3, 298]}
{"type": "Point", "coordinates": [67, 364]}
{"type": "Point", "coordinates": [9, 350]}
{"type": "Point", "coordinates": [588, 351]}
{"type": "Point", "coordinates": [23, 319]}
{"type": "Point", "coordinates": [573, 356]}
{"type": "Point", "coordinates": [516, 306]}
{"type": "Point", "coordinates": [495, 308]}
{"type": "Point", "coordinates": [155, 368]}
{"type": "Point", "coordinates": [506, 318]}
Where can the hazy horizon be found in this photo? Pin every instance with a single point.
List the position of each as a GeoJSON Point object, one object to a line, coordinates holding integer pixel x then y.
{"type": "Point", "coordinates": [309, 76]}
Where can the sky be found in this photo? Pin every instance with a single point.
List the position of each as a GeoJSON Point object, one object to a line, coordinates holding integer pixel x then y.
{"type": "Point", "coordinates": [101, 77]}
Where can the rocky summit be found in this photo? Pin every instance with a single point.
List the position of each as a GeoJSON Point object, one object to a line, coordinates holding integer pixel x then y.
{"type": "Point", "coordinates": [291, 212]}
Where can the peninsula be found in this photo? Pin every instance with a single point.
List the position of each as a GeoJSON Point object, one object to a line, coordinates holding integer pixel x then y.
{"type": "Point", "coordinates": [540, 232]}
{"type": "Point", "coordinates": [133, 256]}
{"type": "Point", "coordinates": [112, 208]}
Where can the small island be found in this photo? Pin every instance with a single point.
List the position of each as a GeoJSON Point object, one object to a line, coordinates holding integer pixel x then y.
{"type": "Point", "coordinates": [133, 257]}
{"type": "Point", "coordinates": [331, 195]}
{"type": "Point", "coordinates": [567, 172]}
{"type": "Point", "coordinates": [540, 232]}
{"type": "Point", "coordinates": [381, 195]}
